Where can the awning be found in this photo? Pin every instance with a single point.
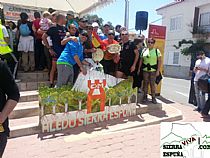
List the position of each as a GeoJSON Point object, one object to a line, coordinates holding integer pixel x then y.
{"type": "Point", "coordinates": [80, 7]}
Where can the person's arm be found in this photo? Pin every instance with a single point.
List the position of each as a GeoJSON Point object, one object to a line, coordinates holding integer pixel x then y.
{"type": "Point", "coordinates": [72, 46]}
{"type": "Point", "coordinates": [11, 91]}
{"type": "Point", "coordinates": [41, 32]}
{"type": "Point", "coordinates": [86, 63]}
{"type": "Point", "coordinates": [44, 38]}
{"type": "Point", "coordinates": [34, 28]}
{"type": "Point", "coordinates": [133, 67]}
{"type": "Point", "coordinates": [140, 64]}
{"type": "Point", "coordinates": [195, 69]}
{"type": "Point", "coordinates": [79, 63]}
{"type": "Point", "coordinates": [5, 34]}
{"type": "Point", "coordinates": [10, 105]}
{"type": "Point", "coordinates": [67, 39]}
{"type": "Point", "coordinates": [159, 62]}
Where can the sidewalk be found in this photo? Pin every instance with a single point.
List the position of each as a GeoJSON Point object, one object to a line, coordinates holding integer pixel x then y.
{"type": "Point", "coordinates": [140, 142]}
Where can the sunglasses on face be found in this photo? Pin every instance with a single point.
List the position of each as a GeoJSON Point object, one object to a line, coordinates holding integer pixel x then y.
{"type": "Point", "coordinates": [150, 42]}
{"type": "Point", "coordinates": [111, 34]}
{"type": "Point", "coordinates": [124, 34]}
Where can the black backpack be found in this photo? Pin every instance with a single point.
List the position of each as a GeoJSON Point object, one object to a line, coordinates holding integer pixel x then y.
{"type": "Point", "coordinates": [204, 83]}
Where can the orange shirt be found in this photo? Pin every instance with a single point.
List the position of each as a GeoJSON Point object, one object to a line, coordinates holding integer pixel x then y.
{"type": "Point", "coordinates": [107, 55]}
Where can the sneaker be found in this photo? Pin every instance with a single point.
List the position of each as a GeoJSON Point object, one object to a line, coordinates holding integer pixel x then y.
{"type": "Point", "coordinates": [204, 115]}
{"type": "Point", "coordinates": [51, 86]}
{"type": "Point", "coordinates": [197, 109]}
{"type": "Point", "coordinates": [154, 101]}
{"type": "Point", "coordinates": [144, 99]}
{"type": "Point", "coordinates": [139, 90]}
{"type": "Point", "coordinates": [17, 81]}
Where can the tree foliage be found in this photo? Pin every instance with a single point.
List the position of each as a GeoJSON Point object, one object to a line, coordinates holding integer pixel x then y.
{"type": "Point", "coordinates": [95, 18]}
{"type": "Point", "coordinates": [199, 44]}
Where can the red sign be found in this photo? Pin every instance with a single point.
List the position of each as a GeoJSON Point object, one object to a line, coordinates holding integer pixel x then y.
{"type": "Point", "coordinates": [97, 85]}
{"type": "Point", "coordinates": [156, 31]}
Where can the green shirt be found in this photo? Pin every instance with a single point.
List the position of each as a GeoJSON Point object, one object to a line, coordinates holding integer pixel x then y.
{"type": "Point", "coordinates": [150, 57]}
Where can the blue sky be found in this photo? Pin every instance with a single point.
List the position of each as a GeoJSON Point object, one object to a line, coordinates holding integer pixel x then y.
{"type": "Point", "coordinates": [115, 11]}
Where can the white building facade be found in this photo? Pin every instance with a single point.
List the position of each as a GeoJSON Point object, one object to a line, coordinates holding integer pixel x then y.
{"type": "Point", "coordinates": [181, 18]}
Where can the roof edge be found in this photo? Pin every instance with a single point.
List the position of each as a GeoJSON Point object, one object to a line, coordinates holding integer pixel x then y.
{"type": "Point", "coordinates": [169, 5]}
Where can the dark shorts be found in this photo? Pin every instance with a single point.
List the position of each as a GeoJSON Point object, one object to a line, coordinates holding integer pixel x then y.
{"type": "Point", "coordinates": [124, 68]}
{"type": "Point", "coordinates": [109, 66]}
{"type": "Point", "coordinates": [3, 142]}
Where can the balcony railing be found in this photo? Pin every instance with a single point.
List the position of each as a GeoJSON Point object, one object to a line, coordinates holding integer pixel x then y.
{"type": "Point", "coordinates": [201, 31]}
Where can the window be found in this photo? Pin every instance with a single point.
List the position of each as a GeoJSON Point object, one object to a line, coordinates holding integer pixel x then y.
{"type": "Point", "coordinates": [205, 19]}
{"type": "Point", "coordinates": [175, 23]}
{"type": "Point", "coordinates": [176, 58]}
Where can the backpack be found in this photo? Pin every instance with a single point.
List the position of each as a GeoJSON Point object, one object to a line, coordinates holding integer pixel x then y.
{"type": "Point", "coordinates": [204, 83]}
{"type": "Point", "coordinates": [24, 30]}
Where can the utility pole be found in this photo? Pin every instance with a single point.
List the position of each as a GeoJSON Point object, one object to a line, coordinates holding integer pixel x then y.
{"type": "Point", "coordinates": [126, 20]}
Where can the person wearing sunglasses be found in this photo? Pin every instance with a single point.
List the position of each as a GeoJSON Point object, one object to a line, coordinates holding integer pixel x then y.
{"type": "Point", "coordinates": [71, 55]}
{"type": "Point", "coordinates": [88, 47]}
{"type": "Point", "coordinates": [129, 56]}
{"type": "Point", "coordinates": [108, 61]}
{"type": "Point", "coordinates": [150, 63]}
{"type": "Point", "coordinates": [82, 24]}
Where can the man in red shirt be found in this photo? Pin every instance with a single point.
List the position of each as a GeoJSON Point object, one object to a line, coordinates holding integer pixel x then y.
{"type": "Point", "coordinates": [108, 62]}
{"type": "Point", "coordinates": [39, 48]}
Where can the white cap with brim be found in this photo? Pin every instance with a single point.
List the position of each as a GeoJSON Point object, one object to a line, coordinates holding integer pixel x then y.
{"type": "Point", "coordinates": [95, 24]}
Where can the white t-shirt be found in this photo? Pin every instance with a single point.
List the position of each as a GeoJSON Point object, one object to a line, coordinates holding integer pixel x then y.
{"type": "Point", "coordinates": [5, 33]}
{"type": "Point", "coordinates": [205, 64]}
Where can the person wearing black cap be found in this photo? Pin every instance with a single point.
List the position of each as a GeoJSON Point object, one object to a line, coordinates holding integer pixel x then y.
{"type": "Point", "coordinates": [82, 24]}
{"type": "Point", "coordinates": [71, 55]}
{"type": "Point", "coordinates": [117, 36]}
{"type": "Point", "coordinates": [106, 29]}
{"type": "Point", "coordinates": [51, 10]}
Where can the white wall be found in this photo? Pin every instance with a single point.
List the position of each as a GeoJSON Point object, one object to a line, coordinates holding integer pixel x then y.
{"type": "Point", "coordinates": [186, 10]}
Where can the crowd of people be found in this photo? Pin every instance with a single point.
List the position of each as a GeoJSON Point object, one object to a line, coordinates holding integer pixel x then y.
{"type": "Point", "coordinates": [62, 44]}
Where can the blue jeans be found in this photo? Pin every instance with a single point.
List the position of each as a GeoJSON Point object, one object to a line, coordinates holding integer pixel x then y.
{"type": "Point", "coordinates": [200, 97]}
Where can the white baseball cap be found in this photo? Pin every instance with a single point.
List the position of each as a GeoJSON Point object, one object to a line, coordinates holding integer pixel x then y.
{"type": "Point", "coordinates": [95, 24]}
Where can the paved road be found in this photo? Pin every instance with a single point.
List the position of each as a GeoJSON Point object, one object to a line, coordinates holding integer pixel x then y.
{"type": "Point", "coordinates": [176, 90]}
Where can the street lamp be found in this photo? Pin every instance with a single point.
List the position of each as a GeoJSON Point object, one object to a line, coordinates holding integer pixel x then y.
{"type": "Point", "coordinates": [126, 20]}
